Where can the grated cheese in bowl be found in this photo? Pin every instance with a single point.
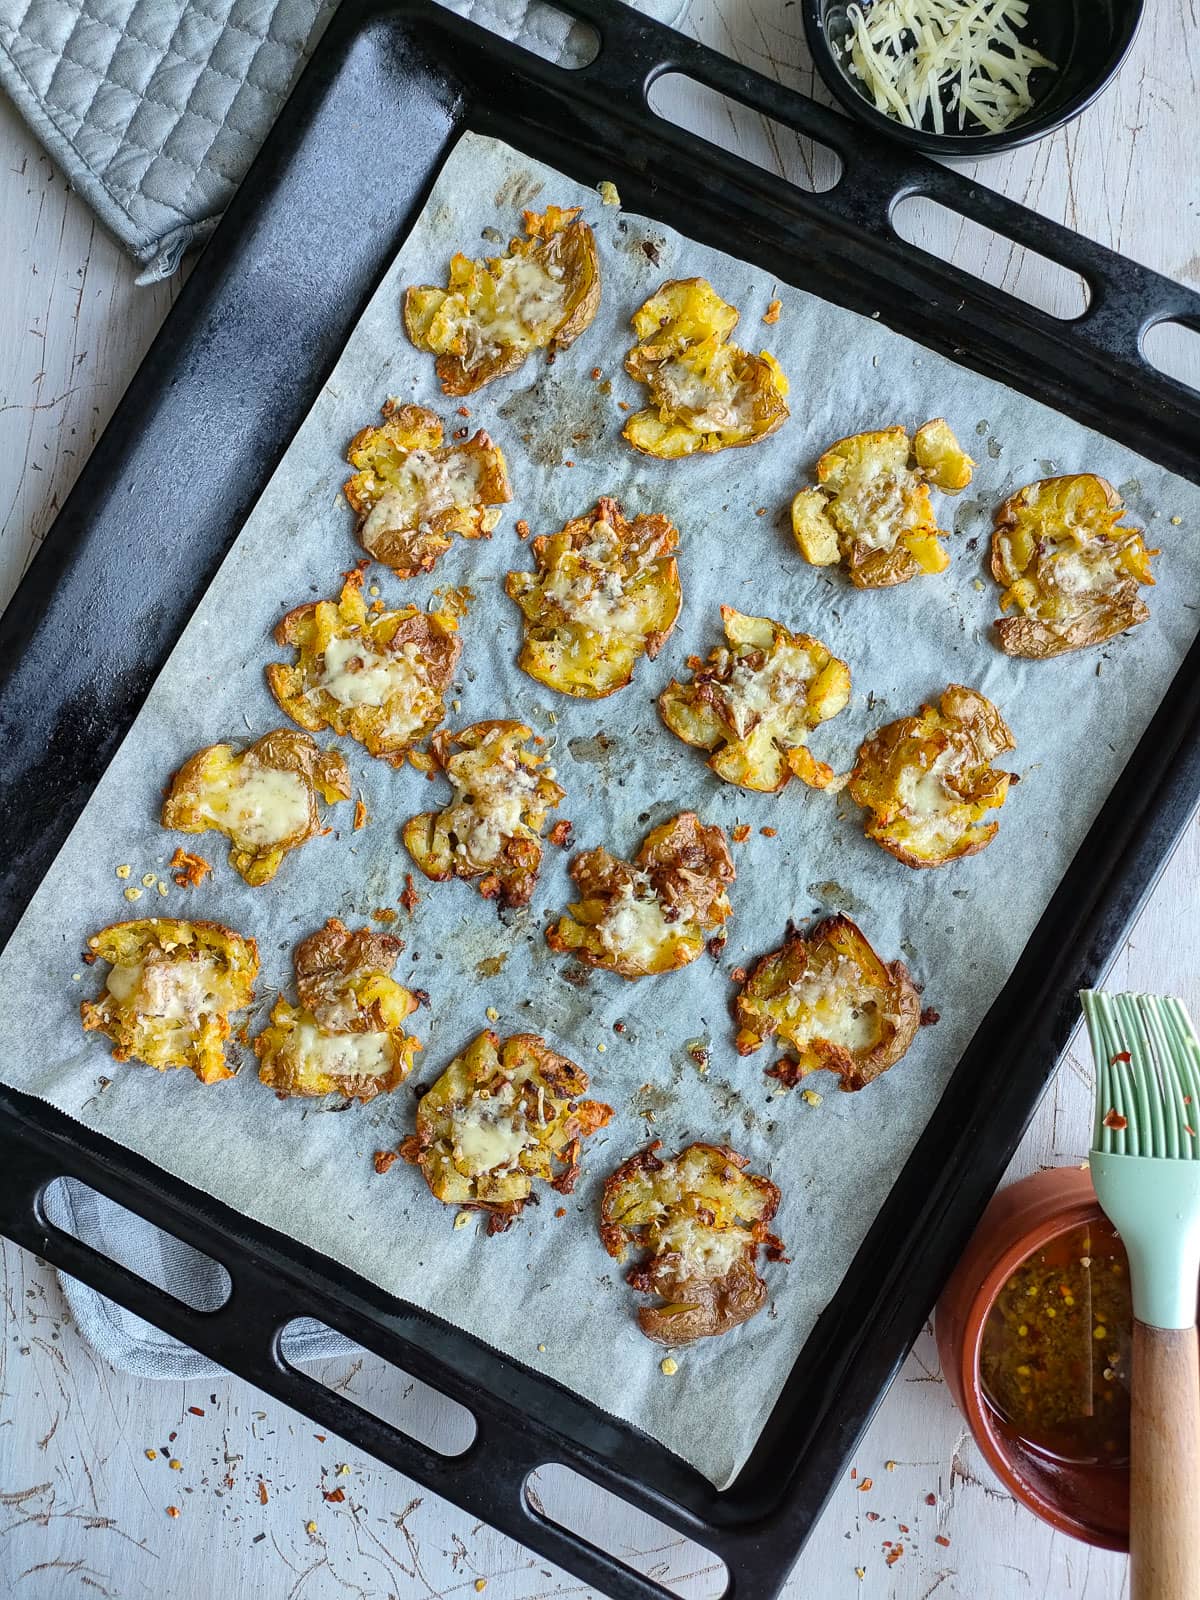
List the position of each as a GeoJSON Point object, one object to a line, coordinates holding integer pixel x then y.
{"type": "Point", "coordinates": [943, 64]}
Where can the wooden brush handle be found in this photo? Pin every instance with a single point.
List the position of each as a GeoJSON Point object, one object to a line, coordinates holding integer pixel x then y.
{"type": "Point", "coordinates": [1164, 1488]}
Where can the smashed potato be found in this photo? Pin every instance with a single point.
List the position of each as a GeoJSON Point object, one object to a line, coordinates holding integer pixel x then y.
{"type": "Point", "coordinates": [651, 916]}
{"type": "Point", "coordinates": [499, 1117]}
{"type": "Point", "coordinates": [706, 394]}
{"type": "Point", "coordinates": [1068, 565]}
{"type": "Point", "coordinates": [411, 492]}
{"type": "Point", "coordinates": [755, 702]}
{"type": "Point", "coordinates": [264, 800]}
{"type": "Point", "coordinates": [702, 1219]}
{"type": "Point", "coordinates": [169, 995]}
{"type": "Point", "coordinates": [606, 592]}
{"type": "Point", "coordinates": [491, 829]}
{"type": "Point", "coordinates": [542, 294]}
{"type": "Point", "coordinates": [347, 1034]}
{"type": "Point", "coordinates": [378, 677]}
{"type": "Point", "coordinates": [832, 999]}
{"type": "Point", "coordinates": [928, 780]}
{"type": "Point", "coordinates": [873, 512]}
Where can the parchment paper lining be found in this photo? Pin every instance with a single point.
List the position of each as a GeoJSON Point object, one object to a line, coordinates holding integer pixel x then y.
{"type": "Point", "coordinates": [307, 1172]}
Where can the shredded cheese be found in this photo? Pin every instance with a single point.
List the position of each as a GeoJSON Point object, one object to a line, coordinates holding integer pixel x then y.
{"type": "Point", "coordinates": [925, 61]}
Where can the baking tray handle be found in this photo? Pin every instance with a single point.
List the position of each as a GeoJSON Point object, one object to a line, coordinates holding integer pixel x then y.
{"type": "Point", "coordinates": [489, 1478]}
{"type": "Point", "coordinates": [1125, 298]}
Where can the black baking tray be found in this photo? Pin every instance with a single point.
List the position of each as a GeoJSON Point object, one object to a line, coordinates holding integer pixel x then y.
{"type": "Point", "coordinates": [252, 336]}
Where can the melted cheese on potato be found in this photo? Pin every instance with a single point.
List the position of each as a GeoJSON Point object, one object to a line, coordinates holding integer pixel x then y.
{"type": "Point", "coordinates": [498, 1118]}
{"type": "Point", "coordinates": [171, 986]}
{"type": "Point", "coordinates": [396, 682]}
{"type": "Point", "coordinates": [260, 806]}
{"type": "Point", "coordinates": [426, 487]}
{"type": "Point", "coordinates": [635, 926]}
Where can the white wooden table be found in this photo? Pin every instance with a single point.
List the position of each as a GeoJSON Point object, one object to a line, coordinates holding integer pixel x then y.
{"type": "Point", "coordinates": [83, 1510]}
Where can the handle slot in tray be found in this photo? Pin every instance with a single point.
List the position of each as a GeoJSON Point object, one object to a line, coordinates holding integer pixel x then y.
{"type": "Point", "coordinates": [408, 1404]}
{"type": "Point", "coordinates": [813, 166]}
{"type": "Point", "coordinates": [1066, 295]}
{"type": "Point", "coordinates": [561, 1497]}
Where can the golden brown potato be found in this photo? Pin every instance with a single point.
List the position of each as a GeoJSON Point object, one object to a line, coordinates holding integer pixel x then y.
{"type": "Point", "coordinates": [412, 493]}
{"type": "Point", "coordinates": [542, 294]}
{"type": "Point", "coordinates": [378, 677]}
{"type": "Point", "coordinates": [169, 995]}
{"type": "Point", "coordinates": [499, 1117]}
{"type": "Point", "coordinates": [491, 829]}
{"type": "Point", "coordinates": [606, 591]}
{"type": "Point", "coordinates": [264, 799]}
{"type": "Point", "coordinates": [702, 1221]}
{"type": "Point", "coordinates": [347, 1034]}
{"type": "Point", "coordinates": [928, 780]}
{"type": "Point", "coordinates": [651, 916]}
{"type": "Point", "coordinates": [754, 703]}
{"type": "Point", "coordinates": [705, 393]}
{"type": "Point", "coordinates": [873, 512]}
{"type": "Point", "coordinates": [832, 999]}
{"type": "Point", "coordinates": [1069, 565]}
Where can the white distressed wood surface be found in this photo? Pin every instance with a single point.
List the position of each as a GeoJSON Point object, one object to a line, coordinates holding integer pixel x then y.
{"type": "Point", "coordinates": [82, 1508]}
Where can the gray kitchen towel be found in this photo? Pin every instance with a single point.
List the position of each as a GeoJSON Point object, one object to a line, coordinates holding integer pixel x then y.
{"type": "Point", "coordinates": [154, 109]}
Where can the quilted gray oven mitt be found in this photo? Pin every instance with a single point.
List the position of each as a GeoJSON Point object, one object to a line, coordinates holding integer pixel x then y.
{"type": "Point", "coordinates": [154, 109]}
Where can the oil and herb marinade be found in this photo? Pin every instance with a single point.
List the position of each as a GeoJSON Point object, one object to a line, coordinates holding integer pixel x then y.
{"type": "Point", "coordinates": [1054, 1357]}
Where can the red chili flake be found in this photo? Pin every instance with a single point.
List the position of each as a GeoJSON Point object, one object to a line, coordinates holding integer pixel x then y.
{"type": "Point", "coordinates": [931, 1499]}
{"type": "Point", "coordinates": [872, 1516]}
{"type": "Point", "coordinates": [1121, 1055]}
{"type": "Point", "coordinates": [196, 1411]}
{"type": "Point", "coordinates": [522, 529]}
{"type": "Point", "coordinates": [595, 372]}
{"type": "Point", "coordinates": [741, 833]}
{"type": "Point", "coordinates": [461, 433]}
{"type": "Point", "coordinates": [172, 1437]}
{"type": "Point", "coordinates": [263, 1496]}
{"type": "Point", "coordinates": [384, 1159]}
{"type": "Point", "coordinates": [738, 975]}
{"type": "Point", "coordinates": [768, 833]}
{"type": "Point", "coordinates": [568, 463]}
{"type": "Point", "coordinates": [624, 404]}
{"type": "Point", "coordinates": [560, 834]}
{"type": "Point", "coordinates": [410, 899]}
{"type": "Point", "coordinates": [172, 1511]}
{"type": "Point", "coordinates": [361, 817]}
{"type": "Point", "coordinates": [761, 512]}
{"type": "Point", "coordinates": [561, 1212]}
{"type": "Point", "coordinates": [894, 1555]}
{"type": "Point", "coordinates": [320, 1437]}
{"type": "Point", "coordinates": [1114, 1119]}
{"type": "Point", "coordinates": [942, 1540]}
{"type": "Point", "coordinates": [903, 1526]}
{"type": "Point", "coordinates": [335, 1496]}
{"type": "Point", "coordinates": [929, 1017]}
{"type": "Point", "coordinates": [865, 1484]}
{"type": "Point", "coordinates": [618, 1027]}
{"type": "Point", "coordinates": [464, 411]}
{"type": "Point", "coordinates": [853, 1474]}
{"type": "Point", "coordinates": [187, 869]}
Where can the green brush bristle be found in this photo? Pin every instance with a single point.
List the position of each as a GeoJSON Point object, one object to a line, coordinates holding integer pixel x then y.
{"type": "Point", "coordinates": [1147, 1075]}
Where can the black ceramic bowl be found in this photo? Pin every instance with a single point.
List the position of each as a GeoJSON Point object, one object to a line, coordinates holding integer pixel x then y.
{"type": "Point", "coordinates": [1087, 39]}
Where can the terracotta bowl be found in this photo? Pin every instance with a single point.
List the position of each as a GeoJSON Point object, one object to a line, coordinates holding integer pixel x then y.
{"type": "Point", "coordinates": [1088, 1502]}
